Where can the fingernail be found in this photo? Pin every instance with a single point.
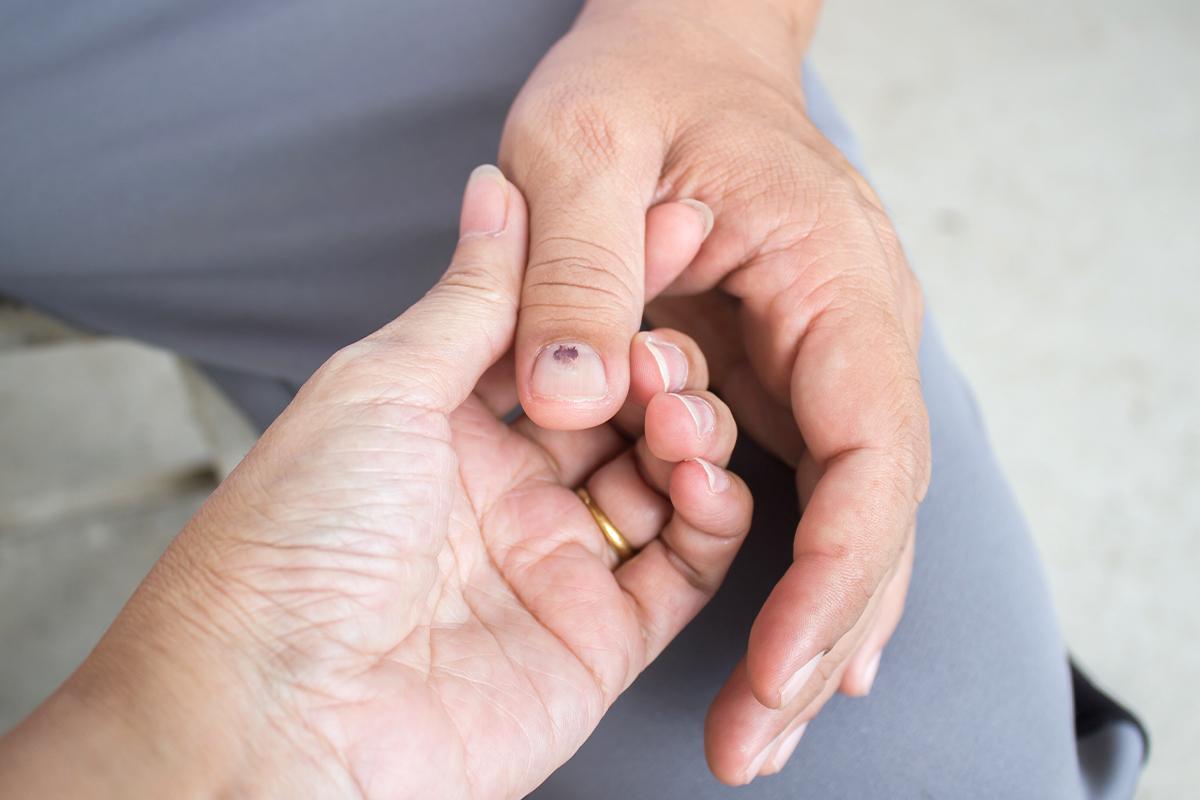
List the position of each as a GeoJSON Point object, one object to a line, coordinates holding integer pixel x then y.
{"type": "Point", "coordinates": [783, 751]}
{"type": "Point", "coordinates": [485, 203]}
{"type": "Point", "coordinates": [672, 363]}
{"type": "Point", "coordinates": [701, 412]}
{"type": "Point", "coordinates": [569, 371]}
{"type": "Point", "coordinates": [718, 480]}
{"type": "Point", "coordinates": [757, 764]}
{"type": "Point", "coordinates": [791, 688]}
{"type": "Point", "coordinates": [871, 671]}
{"type": "Point", "coordinates": [706, 214]}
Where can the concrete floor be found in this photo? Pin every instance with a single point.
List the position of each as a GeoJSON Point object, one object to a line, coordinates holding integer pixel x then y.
{"type": "Point", "coordinates": [1040, 160]}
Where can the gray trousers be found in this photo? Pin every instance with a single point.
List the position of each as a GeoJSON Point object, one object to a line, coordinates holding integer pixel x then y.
{"type": "Point", "coordinates": [255, 184]}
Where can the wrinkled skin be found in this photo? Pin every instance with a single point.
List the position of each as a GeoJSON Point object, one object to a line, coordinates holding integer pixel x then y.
{"type": "Point", "coordinates": [801, 296]}
{"type": "Point", "coordinates": [399, 594]}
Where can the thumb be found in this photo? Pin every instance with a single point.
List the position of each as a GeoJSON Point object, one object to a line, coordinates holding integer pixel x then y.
{"type": "Point", "coordinates": [583, 293]}
{"type": "Point", "coordinates": [441, 346]}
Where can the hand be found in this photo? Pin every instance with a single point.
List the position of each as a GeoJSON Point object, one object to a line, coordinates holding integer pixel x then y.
{"type": "Point", "coordinates": [803, 289]}
{"type": "Point", "coordinates": [399, 594]}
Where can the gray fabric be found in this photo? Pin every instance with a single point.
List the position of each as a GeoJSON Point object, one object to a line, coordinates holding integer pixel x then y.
{"type": "Point", "coordinates": [973, 695]}
{"type": "Point", "coordinates": [250, 183]}
{"type": "Point", "coordinates": [255, 184]}
{"type": "Point", "coordinates": [1112, 760]}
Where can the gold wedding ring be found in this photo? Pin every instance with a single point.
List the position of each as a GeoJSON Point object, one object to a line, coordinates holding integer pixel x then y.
{"type": "Point", "coordinates": [615, 539]}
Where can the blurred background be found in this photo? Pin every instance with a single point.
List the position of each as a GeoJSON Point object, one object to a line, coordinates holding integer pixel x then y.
{"type": "Point", "coordinates": [1041, 160]}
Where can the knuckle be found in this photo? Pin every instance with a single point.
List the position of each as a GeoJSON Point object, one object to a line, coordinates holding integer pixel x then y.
{"type": "Point", "coordinates": [374, 374]}
{"type": "Point", "coordinates": [592, 277]}
{"type": "Point", "coordinates": [579, 117]}
{"type": "Point", "coordinates": [345, 365]}
{"type": "Point", "coordinates": [573, 119]}
{"type": "Point", "coordinates": [476, 276]}
{"type": "Point", "coordinates": [589, 132]}
{"type": "Point", "coordinates": [350, 374]}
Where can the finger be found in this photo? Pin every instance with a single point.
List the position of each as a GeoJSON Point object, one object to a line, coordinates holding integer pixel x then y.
{"type": "Point", "coordinates": [760, 416]}
{"type": "Point", "coordinates": [437, 350]}
{"type": "Point", "coordinates": [654, 471]}
{"type": "Point", "coordinates": [743, 735]}
{"type": "Point", "coordinates": [637, 509]}
{"type": "Point", "coordinates": [863, 666]}
{"type": "Point", "coordinates": [856, 397]}
{"type": "Point", "coordinates": [672, 578]}
{"type": "Point", "coordinates": [582, 297]}
{"type": "Point", "coordinates": [683, 425]}
{"type": "Point", "coordinates": [678, 429]}
{"type": "Point", "coordinates": [659, 360]}
{"type": "Point", "coordinates": [695, 425]}
{"type": "Point", "coordinates": [634, 489]}
{"type": "Point", "coordinates": [843, 550]}
{"type": "Point", "coordinates": [573, 455]}
{"type": "Point", "coordinates": [585, 287]}
{"type": "Point", "coordinates": [783, 747]}
{"type": "Point", "coordinates": [674, 233]}
{"type": "Point", "coordinates": [665, 360]}
{"type": "Point", "coordinates": [712, 319]}
{"type": "Point", "coordinates": [744, 738]}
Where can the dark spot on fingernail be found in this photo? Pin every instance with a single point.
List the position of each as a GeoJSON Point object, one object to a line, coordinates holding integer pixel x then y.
{"type": "Point", "coordinates": [566, 353]}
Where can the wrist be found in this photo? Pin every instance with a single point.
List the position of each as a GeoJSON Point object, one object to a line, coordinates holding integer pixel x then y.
{"type": "Point", "coordinates": [165, 706]}
{"type": "Point", "coordinates": [777, 31]}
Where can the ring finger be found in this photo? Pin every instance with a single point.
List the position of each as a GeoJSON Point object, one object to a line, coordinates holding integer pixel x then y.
{"type": "Point", "coordinates": [631, 488]}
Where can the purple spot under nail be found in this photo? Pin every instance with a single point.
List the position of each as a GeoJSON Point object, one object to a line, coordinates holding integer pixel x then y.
{"type": "Point", "coordinates": [566, 354]}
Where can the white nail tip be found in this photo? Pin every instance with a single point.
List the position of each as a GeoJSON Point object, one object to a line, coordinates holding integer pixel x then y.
{"type": "Point", "coordinates": [757, 764]}
{"type": "Point", "coordinates": [705, 212]}
{"type": "Point", "coordinates": [661, 363]}
{"type": "Point", "coordinates": [700, 411]}
{"type": "Point", "coordinates": [718, 481]}
{"type": "Point", "coordinates": [871, 671]}
{"type": "Point", "coordinates": [799, 678]}
{"type": "Point", "coordinates": [784, 750]}
{"type": "Point", "coordinates": [660, 351]}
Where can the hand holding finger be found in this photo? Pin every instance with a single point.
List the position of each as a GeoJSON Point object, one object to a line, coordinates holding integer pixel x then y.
{"type": "Point", "coordinates": [634, 486]}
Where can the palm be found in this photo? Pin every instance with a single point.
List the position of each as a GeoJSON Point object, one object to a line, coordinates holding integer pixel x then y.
{"type": "Point", "coordinates": [430, 610]}
{"type": "Point", "coordinates": [515, 636]}
{"type": "Point", "coordinates": [529, 637]}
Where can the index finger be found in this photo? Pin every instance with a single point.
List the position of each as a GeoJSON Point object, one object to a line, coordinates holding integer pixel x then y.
{"type": "Point", "coordinates": [855, 393]}
{"type": "Point", "coordinates": [832, 326]}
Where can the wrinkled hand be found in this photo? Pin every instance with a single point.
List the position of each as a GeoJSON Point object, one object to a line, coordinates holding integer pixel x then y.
{"type": "Point", "coordinates": [397, 594]}
{"type": "Point", "coordinates": [800, 294]}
